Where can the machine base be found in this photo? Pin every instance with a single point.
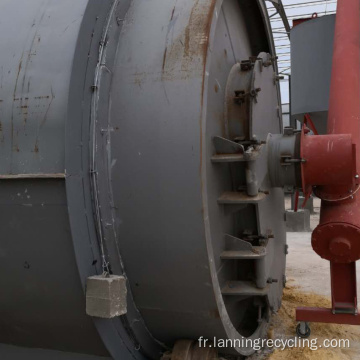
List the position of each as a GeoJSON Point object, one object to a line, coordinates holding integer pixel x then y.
{"type": "Point", "coordinates": [324, 315]}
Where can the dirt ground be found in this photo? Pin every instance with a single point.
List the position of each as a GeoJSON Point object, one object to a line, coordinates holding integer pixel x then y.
{"type": "Point", "coordinates": [308, 285]}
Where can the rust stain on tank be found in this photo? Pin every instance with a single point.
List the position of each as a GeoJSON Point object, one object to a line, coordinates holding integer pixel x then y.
{"type": "Point", "coordinates": [51, 98]}
{"type": "Point", "coordinates": [207, 30]}
{"type": "Point", "coordinates": [164, 59]}
{"type": "Point", "coordinates": [187, 42]}
{"type": "Point", "coordinates": [13, 147]}
{"type": "Point", "coordinates": [186, 54]}
{"type": "Point", "coordinates": [198, 30]}
{"type": "Point", "coordinates": [139, 78]}
{"type": "Point", "coordinates": [205, 46]}
{"type": "Point", "coordinates": [25, 110]}
{"type": "Point", "coordinates": [17, 75]}
{"type": "Point", "coordinates": [172, 14]}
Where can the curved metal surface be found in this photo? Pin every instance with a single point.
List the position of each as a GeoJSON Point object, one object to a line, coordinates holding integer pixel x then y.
{"type": "Point", "coordinates": [38, 267]}
{"type": "Point", "coordinates": [279, 7]}
{"type": "Point", "coordinates": [123, 98]}
{"type": "Point", "coordinates": [164, 187]}
{"type": "Point", "coordinates": [43, 98]}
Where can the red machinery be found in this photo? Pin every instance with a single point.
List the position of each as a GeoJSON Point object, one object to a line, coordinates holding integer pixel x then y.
{"type": "Point", "coordinates": [337, 238]}
{"type": "Point", "coordinates": [329, 165]}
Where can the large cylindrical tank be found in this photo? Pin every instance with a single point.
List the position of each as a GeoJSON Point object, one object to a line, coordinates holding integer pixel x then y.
{"type": "Point", "coordinates": [311, 61]}
{"type": "Point", "coordinates": [117, 118]}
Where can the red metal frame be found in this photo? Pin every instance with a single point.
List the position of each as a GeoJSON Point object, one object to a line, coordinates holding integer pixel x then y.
{"type": "Point", "coordinates": [310, 124]}
{"type": "Point", "coordinates": [337, 238]}
{"type": "Point", "coordinates": [323, 315]}
{"type": "Point", "coordinates": [343, 286]}
{"type": "Point", "coordinates": [300, 21]}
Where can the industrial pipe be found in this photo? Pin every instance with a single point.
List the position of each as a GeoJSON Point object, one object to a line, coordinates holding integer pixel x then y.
{"type": "Point", "coordinates": [337, 237]}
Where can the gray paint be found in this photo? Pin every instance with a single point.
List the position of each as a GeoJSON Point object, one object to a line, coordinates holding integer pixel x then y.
{"type": "Point", "coordinates": [38, 81]}
{"type": "Point", "coordinates": [42, 304]}
{"type": "Point", "coordinates": [124, 98]}
{"type": "Point", "coordinates": [311, 60]}
{"type": "Point", "coordinates": [33, 89]}
{"type": "Point", "coordinates": [161, 146]}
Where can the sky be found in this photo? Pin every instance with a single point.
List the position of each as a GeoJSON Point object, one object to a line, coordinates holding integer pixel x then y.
{"type": "Point", "coordinates": [294, 9]}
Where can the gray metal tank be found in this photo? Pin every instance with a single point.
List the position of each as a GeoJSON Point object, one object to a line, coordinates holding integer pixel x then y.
{"type": "Point", "coordinates": [132, 141]}
{"type": "Point", "coordinates": [311, 61]}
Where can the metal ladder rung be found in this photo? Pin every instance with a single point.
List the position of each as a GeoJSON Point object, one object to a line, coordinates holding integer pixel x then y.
{"type": "Point", "coordinates": [227, 158]}
{"type": "Point", "coordinates": [258, 252]}
{"type": "Point", "coordinates": [237, 157]}
{"type": "Point", "coordinates": [243, 288]}
{"type": "Point", "coordinates": [236, 198]}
